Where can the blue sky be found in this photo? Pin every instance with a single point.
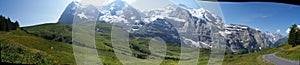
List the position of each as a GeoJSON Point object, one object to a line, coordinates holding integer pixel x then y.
{"type": "Point", "coordinates": [265, 16]}
{"type": "Point", "coordinates": [32, 12]}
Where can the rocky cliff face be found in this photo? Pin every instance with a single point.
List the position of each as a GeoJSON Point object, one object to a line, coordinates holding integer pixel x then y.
{"type": "Point", "coordinates": [196, 28]}
{"type": "Point", "coordinates": [243, 39]}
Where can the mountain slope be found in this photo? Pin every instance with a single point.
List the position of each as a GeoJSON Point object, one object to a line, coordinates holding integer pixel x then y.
{"type": "Point", "coordinates": [55, 49]}
{"type": "Point", "coordinates": [280, 42]}
{"type": "Point", "coordinates": [273, 37]}
{"type": "Point", "coordinates": [243, 39]}
{"type": "Point", "coordinates": [61, 53]}
{"type": "Point", "coordinates": [67, 16]}
{"type": "Point", "coordinates": [33, 50]}
{"type": "Point", "coordinates": [76, 12]}
{"type": "Point", "coordinates": [292, 53]}
{"type": "Point", "coordinates": [61, 32]}
{"type": "Point", "coordinates": [177, 24]}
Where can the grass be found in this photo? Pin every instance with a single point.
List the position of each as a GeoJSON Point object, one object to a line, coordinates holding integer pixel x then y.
{"type": "Point", "coordinates": [53, 43]}
{"type": "Point", "coordinates": [33, 45]}
{"type": "Point", "coordinates": [45, 38]}
{"type": "Point", "coordinates": [285, 51]}
{"type": "Point", "coordinates": [249, 59]}
{"type": "Point", "coordinates": [104, 47]}
{"type": "Point", "coordinates": [12, 53]}
{"type": "Point", "coordinates": [52, 31]}
{"type": "Point", "coordinates": [289, 52]}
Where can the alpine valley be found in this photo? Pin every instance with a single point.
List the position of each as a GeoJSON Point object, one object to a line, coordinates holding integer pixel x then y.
{"type": "Point", "coordinates": [180, 27]}
{"type": "Point", "coordinates": [176, 25]}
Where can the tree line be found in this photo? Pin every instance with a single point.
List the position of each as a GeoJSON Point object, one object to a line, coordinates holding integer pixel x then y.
{"type": "Point", "coordinates": [294, 36]}
{"type": "Point", "coordinates": [6, 24]}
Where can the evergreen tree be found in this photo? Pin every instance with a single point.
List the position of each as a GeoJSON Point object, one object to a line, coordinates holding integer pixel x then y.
{"type": "Point", "coordinates": [2, 23]}
{"type": "Point", "coordinates": [6, 24]}
{"type": "Point", "coordinates": [14, 26]}
{"type": "Point", "coordinates": [292, 35]}
{"type": "Point", "coordinates": [298, 37]}
{"type": "Point", "coordinates": [17, 24]}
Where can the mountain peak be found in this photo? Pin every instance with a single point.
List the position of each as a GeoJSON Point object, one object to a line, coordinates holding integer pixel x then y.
{"type": "Point", "coordinates": [272, 36]}
{"type": "Point", "coordinates": [68, 15]}
{"type": "Point", "coordinates": [115, 5]}
{"type": "Point", "coordinates": [119, 2]}
{"type": "Point", "coordinates": [74, 3]}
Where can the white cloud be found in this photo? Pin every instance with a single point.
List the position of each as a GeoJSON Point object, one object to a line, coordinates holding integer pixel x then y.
{"type": "Point", "coordinates": [94, 2]}
{"type": "Point", "coordinates": [128, 1]}
{"type": "Point", "coordinates": [150, 4]}
{"type": "Point", "coordinates": [264, 17]}
{"type": "Point", "coordinates": [78, 0]}
{"type": "Point", "coordinates": [278, 30]}
{"type": "Point", "coordinates": [288, 31]}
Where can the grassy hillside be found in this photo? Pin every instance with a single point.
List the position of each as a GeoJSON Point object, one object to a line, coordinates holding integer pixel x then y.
{"type": "Point", "coordinates": [20, 48]}
{"type": "Point", "coordinates": [248, 59]}
{"type": "Point", "coordinates": [289, 52]}
{"type": "Point", "coordinates": [52, 41]}
{"type": "Point", "coordinates": [52, 31]}
{"type": "Point", "coordinates": [285, 51]}
{"type": "Point", "coordinates": [50, 44]}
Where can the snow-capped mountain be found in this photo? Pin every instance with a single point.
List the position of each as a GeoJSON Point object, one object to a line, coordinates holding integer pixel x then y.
{"type": "Point", "coordinates": [174, 24]}
{"type": "Point", "coordinates": [75, 12]}
{"type": "Point", "coordinates": [273, 37]}
{"type": "Point", "coordinates": [195, 30]}
{"type": "Point", "coordinates": [122, 14]}
{"type": "Point", "coordinates": [115, 6]}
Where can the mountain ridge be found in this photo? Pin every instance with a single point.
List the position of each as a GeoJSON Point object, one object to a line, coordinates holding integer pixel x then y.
{"type": "Point", "coordinates": [195, 27]}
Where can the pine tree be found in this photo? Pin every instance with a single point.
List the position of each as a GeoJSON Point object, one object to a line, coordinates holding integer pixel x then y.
{"type": "Point", "coordinates": [14, 26]}
{"type": "Point", "coordinates": [298, 37]}
{"type": "Point", "coordinates": [10, 24]}
{"type": "Point", "coordinates": [6, 24]}
{"type": "Point", "coordinates": [292, 35]}
{"type": "Point", "coordinates": [2, 23]}
{"type": "Point", "coordinates": [17, 24]}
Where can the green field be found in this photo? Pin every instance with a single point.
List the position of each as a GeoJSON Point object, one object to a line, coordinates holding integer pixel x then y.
{"type": "Point", "coordinates": [51, 44]}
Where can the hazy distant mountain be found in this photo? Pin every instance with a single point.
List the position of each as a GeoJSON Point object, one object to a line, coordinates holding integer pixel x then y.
{"type": "Point", "coordinates": [273, 37]}
{"type": "Point", "coordinates": [280, 42]}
